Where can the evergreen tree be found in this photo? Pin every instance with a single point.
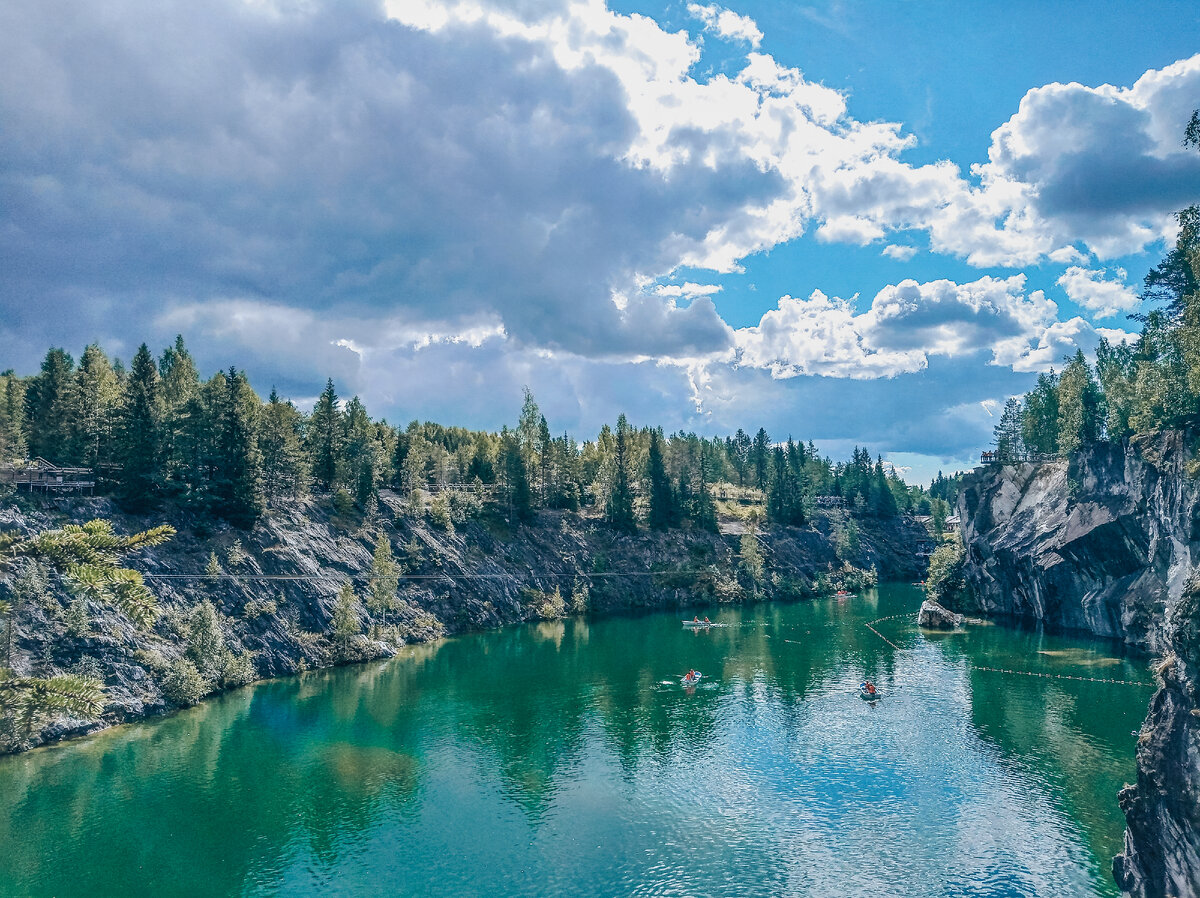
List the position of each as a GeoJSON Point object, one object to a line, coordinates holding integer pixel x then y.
{"type": "Point", "coordinates": [1007, 433]}
{"type": "Point", "coordinates": [360, 459]}
{"type": "Point", "coordinates": [48, 403]}
{"type": "Point", "coordinates": [620, 496]}
{"type": "Point", "coordinates": [344, 622]}
{"type": "Point", "coordinates": [704, 509]}
{"type": "Point", "coordinates": [93, 418]}
{"type": "Point", "coordinates": [516, 477]}
{"type": "Point", "coordinates": [12, 417]}
{"type": "Point", "coordinates": [237, 478]}
{"type": "Point", "coordinates": [760, 455]}
{"type": "Point", "coordinates": [1080, 412]}
{"type": "Point", "coordinates": [324, 439]}
{"type": "Point", "coordinates": [1117, 369]}
{"type": "Point", "coordinates": [885, 500]}
{"type": "Point", "coordinates": [662, 497]}
{"type": "Point", "coordinates": [279, 441]}
{"type": "Point", "coordinates": [139, 432]}
{"type": "Point", "coordinates": [385, 581]}
{"type": "Point", "coordinates": [1039, 426]}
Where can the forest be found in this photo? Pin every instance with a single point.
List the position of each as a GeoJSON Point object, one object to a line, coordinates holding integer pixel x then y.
{"type": "Point", "coordinates": [156, 433]}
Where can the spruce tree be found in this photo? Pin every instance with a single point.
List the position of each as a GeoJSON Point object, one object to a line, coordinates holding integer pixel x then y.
{"type": "Point", "coordinates": [48, 406]}
{"type": "Point", "coordinates": [139, 434]}
{"type": "Point", "coordinates": [385, 581]}
{"type": "Point", "coordinates": [662, 497]}
{"type": "Point", "coordinates": [761, 455]}
{"type": "Point", "coordinates": [282, 453]}
{"type": "Point", "coordinates": [360, 461]}
{"type": "Point", "coordinates": [12, 417]}
{"type": "Point", "coordinates": [324, 441]}
{"type": "Point", "coordinates": [94, 401]}
{"type": "Point", "coordinates": [237, 478]}
{"type": "Point", "coordinates": [620, 496]}
{"type": "Point", "coordinates": [516, 477]}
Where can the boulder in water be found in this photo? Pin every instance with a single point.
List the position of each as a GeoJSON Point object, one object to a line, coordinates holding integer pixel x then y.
{"type": "Point", "coordinates": [937, 617]}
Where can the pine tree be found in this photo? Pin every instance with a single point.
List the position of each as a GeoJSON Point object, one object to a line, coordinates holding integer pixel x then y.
{"type": "Point", "coordinates": [139, 433]}
{"type": "Point", "coordinates": [324, 442]}
{"type": "Point", "coordinates": [704, 508]}
{"type": "Point", "coordinates": [662, 498]}
{"type": "Point", "coordinates": [620, 496]}
{"type": "Point", "coordinates": [237, 475]}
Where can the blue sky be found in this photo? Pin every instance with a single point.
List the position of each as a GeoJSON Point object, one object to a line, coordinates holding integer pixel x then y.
{"type": "Point", "coordinates": [855, 222]}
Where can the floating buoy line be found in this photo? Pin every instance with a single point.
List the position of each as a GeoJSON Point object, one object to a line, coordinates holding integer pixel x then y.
{"type": "Point", "coordinates": [1023, 673]}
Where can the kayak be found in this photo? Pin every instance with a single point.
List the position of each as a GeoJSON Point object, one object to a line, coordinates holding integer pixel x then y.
{"type": "Point", "coordinates": [870, 696]}
{"type": "Point", "coordinates": [691, 681]}
{"type": "Point", "coordinates": [842, 593]}
{"type": "Point", "coordinates": [697, 623]}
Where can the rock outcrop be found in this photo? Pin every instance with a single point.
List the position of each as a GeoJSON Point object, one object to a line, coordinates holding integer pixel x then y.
{"type": "Point", "coordinates": [934, 616]}
{"type": "Point", "coordinates": [1107, 542]}
{"type": "Point", "coordinates": [275, 586]}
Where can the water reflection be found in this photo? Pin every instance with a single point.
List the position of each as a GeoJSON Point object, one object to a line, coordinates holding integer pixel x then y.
{"type": "Point", "coordinates": [565, 756]}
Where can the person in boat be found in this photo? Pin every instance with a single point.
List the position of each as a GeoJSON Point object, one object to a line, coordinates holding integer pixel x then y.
{"type": "Point", "coordinates": [870, 687]}
{"type": "Point", "coordinates": [696, 620]}
{"type": "Point", "coordinates": [707, 621]}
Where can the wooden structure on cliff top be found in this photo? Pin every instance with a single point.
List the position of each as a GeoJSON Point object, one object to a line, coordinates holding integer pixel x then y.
{"type": "Point", "coordinates": [43, 476]}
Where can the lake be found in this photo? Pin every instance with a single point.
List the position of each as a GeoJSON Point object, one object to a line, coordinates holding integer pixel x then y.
{"type": "Point", "coordinates": [565, 758]}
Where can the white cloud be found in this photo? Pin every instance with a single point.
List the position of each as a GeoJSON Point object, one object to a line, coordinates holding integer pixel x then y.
{"type": "Point", "coordinates": [899, 253]}
{"type": "Point", "coordinates": [907, 324]}
{"type": "Point", "coordinates": [687, 289]}
{"type": "Point", "coordinates": [726, 23]}
{"type": "Point", "coordinates": [1091, 290]}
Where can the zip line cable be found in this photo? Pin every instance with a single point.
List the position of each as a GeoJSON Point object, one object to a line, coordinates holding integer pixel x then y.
{"type": "Point", "coordinates": [1023, 673]}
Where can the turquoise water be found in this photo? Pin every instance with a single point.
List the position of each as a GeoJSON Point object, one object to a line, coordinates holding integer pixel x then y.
{"type": "Point", "coordinates": [566, 759]}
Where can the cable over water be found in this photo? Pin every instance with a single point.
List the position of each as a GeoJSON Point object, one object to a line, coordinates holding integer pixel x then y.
{"type": "Point", "coordinates": [1024, 673]}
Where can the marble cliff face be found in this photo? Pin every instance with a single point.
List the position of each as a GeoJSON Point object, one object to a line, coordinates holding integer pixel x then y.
{"type": "Point", "coordinates": [1107, 542]}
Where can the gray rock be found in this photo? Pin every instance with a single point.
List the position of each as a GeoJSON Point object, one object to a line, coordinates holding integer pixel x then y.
{"type": "Point", "coordinates": [934, 616]}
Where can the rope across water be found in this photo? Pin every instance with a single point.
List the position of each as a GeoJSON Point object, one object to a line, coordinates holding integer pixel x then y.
{"type": "Point", "coordinates": [1024, 673]}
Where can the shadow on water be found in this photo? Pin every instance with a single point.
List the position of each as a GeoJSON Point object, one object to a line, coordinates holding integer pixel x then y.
{"type": "Point", "coordinates": [566, 756]}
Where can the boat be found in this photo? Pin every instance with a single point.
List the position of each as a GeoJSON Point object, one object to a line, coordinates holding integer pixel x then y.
{"type": "Point", "coordinates": [697, 623]}
{"type": "Point", "coordinates": [691, 680]}
{"type": "Point", "coordinates": [869, 696]}
{"type": "Point", "coordinates": [843, 593]}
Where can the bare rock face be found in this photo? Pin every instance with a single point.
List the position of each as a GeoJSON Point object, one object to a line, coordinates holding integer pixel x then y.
{"type": "Point", "coordinates": [934, 616]}
{"type": "Point", "coordinates": [1108, 542]}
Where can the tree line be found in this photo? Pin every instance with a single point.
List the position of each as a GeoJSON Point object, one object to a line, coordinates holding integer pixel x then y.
{"type": "Point", "coordinates": [155, 432]}
{"type": "Point", "coordinates": [1151, 383]}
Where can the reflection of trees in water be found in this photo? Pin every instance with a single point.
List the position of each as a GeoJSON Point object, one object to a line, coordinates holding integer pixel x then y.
{"type": "Point", "coordinates": [1072, 736]}
{"type": "Point", "coordinates": [230, 788]}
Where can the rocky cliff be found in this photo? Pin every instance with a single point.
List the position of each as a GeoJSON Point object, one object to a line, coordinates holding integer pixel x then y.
{"type": "Point", "coordinates": [1107, 542]}
{"type": "Point", "coordinates": [274, 587]}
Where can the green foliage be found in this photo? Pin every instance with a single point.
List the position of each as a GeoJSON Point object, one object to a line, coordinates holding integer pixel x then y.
{"type": "Point", "coordinates": [208, 650]}
{"type": "Point", "coordinates": [382, 591]}
{"type": "Point", "coordinates": [139, 434]}
{"type": "Point", "coordinates": [751, 558]}
{"type": "Point", "coordinates": [344, 622]}
{"type": "Point", "coordinates": [620, 496]}
{"type": "Point", "coordinates": [945, 583]}
{"type": "Point", "coordinates": [31, 701]}
{"type": "Point", "coordinates": [846, 540]}
{"type": "Point", "coordinates": [662, 498]}
{"type": "Point", "coordinates": [87, 556]}
{"type": "Point", "coordinates": [1010, 444]}
{"type": "Point", "coordinates": [184, 685]}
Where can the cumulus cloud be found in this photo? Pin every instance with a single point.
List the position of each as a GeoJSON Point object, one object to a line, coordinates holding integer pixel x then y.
{"type": "Point", "coordinates": [899, 253]}
{"type": "Point", "coordinates": [906, 325]}
{"type": "Point", "coordinates": [1093, 291]}
{"type": "Point", "coordinates": [726, 23]}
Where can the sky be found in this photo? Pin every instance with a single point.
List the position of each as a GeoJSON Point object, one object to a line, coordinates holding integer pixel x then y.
{"type": "Point", "coordinates": [860, 223]}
